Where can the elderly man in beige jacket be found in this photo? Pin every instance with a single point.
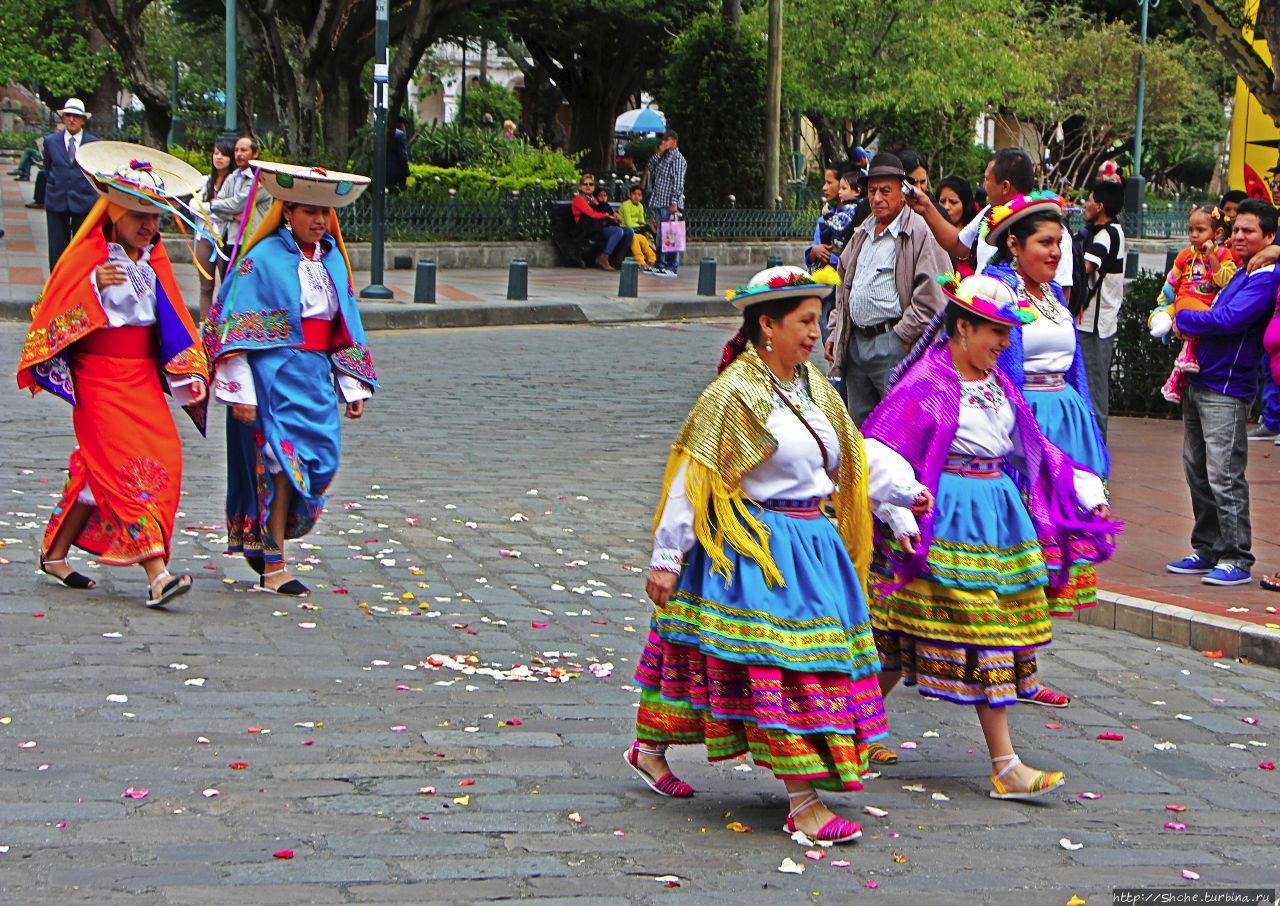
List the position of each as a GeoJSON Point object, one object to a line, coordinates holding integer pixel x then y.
{"type": "Point", "coordinates": [887, 293]}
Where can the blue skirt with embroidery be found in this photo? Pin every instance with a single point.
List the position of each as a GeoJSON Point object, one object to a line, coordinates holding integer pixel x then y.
{"type": "Point", "coordinates": [1067, 422]}
{"type": "Point", "coordinates": [297, 429]}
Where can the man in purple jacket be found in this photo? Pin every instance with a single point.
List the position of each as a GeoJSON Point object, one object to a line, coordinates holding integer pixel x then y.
{"type": "Point", "coordinates": [1215, 406]}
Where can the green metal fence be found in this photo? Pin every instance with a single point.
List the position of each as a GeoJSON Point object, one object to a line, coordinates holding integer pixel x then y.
{"type": "Point", "coordinates": [526, 216]}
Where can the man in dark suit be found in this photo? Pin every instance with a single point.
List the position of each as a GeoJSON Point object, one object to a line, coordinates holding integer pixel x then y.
{"type": "Point", "coordinates": [68, 195]}
{"type": "Point", "coordinates": [398, 156]}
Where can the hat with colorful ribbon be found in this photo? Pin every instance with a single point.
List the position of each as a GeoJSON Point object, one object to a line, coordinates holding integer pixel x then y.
{"type": "Point", "coordinates": [1000, 217]}
{"type": "Point", "coordinates": [987, 298]}
{"type": "Point", "coordinates": [785, 282]}
{"type": "Point", "coordinates": [314, 186]}
{"type": "Point", "coordinates": [137, 178]}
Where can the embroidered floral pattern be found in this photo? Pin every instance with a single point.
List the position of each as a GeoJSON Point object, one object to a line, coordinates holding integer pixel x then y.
{"type": "Point", "coordinates": [191, 360]}
{"type": "Point", "coordinates": [981, 394]}
{"type": "Point", "coordinates": [256, 327]}
{"type": "Point", "coordinates": [54, 375]}
{"type": "Point", "coordinates": [144, 478]}
{"type": "Point", "coordinates": [246, 267]}
{"type": "Point", "coordinates": [44, 342]}
{"type": "Point", "coordinates": [357, 362]}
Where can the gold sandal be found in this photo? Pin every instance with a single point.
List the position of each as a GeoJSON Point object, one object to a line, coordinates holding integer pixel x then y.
{"type": "Point", "coordinates": [1044, 781]}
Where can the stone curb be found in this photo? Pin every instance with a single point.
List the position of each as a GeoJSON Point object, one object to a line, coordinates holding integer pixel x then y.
{"type": "Point", "coordinates": [1185, 627]}
{"type": "Point", "coordinates": [424, 317]}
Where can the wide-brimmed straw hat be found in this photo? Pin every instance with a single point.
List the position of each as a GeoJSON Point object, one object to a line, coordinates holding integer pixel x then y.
{"type": "Point", "coordinates": [313, 186]}
{"type": "Point", "coordinates": [75, 106]}
{"type": "Point", "coordinates": [785, 282]}
{"type": "Point", "coordinates": [987, 298]}
{"type": "Point", "coordinates": [136, 177]}
{"type": "Point", "coordinates": [1001, 217]}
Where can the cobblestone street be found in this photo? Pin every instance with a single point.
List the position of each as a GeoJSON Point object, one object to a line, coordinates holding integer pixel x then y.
{"type": "Point", "coordinates": [492, 511]}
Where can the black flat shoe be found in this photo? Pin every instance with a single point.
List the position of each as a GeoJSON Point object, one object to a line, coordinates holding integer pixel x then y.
{"type": "Point", "coordinates": [291, 589]}
{"type": "Point", "coordinates": [72, 579]}
{"type": "Point", "coordinates": [175, 587]}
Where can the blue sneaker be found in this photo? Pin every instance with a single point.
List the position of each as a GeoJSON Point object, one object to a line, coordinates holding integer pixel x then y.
{"type": "Point", "coordinates": [1195, 565]}
{"type": "Point", "coordinates": [1227, 575]}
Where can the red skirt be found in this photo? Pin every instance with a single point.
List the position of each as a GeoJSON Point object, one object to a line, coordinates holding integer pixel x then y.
{"type": "Point", "coordinates": [129, 455]}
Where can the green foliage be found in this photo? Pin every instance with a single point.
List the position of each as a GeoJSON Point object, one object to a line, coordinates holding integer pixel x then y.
{"type": "Point", "coordinates": [715, 98]}
{"type": "Point", "coordinates": [428, 183]}
{"type": "Point", "coordinates": [496, 100]}
{"type": "Point", "coordinates": [1141, 364]}
{"type": "Point", "coordinates": [921, 66]}
{"type": "Point", "coordinates": [18, 141]}
{"type": "Point", "coordinates": [640, 150]}
{"type": "Point", "coordinates": [42, 43]}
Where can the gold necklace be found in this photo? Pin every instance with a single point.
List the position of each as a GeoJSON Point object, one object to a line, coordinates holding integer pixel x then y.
{"type": "Point", "coordinates": [1047, 305]}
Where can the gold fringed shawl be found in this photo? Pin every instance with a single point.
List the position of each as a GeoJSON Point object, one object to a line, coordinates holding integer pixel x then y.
{"type": "Point", "coordinates": [724, 438]}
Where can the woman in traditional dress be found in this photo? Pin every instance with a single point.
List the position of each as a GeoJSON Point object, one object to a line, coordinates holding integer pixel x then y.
{"type": "Point", "coordinates": [1045, 362]}
{"type": "Point", "coordinates": [963, 608]}
{"type": "Point", "coordinates": [283, 334]}
{"type": "Point", "coordinates": [110, 334]}
{"type": "Point", "coordinates": [760, 641]}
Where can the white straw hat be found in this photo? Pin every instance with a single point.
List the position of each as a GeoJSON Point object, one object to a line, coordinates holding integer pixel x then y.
{"type": "Point", "coordinates": [135, 176]}
{"type": "Point", "coordinates": [76, 106]}
{"type": "Point", "coordinates": [310, 185]}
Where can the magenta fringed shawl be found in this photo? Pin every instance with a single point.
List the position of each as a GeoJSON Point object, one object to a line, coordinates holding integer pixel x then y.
{"type": "Point", "coordinates": [919, 419]}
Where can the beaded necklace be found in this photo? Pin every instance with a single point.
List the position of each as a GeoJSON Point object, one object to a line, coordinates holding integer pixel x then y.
{"type": "Point", "coordinates": [1047, 305]}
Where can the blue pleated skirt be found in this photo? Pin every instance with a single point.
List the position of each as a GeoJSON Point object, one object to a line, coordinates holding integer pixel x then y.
{"type": "Point", "coordinates": [1068, 423]}
{"type": "Point", "coordinates": [816, 621]}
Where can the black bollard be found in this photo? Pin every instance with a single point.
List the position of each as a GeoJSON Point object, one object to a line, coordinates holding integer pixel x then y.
{"type": "Point", "coordinates": [518, 280]}
{"type": "Point", "coordinates": [1131, 264]}
{"type": "Point", "coordinates": [775, 261]}
{"type": "Point", "coordinates": [1169, 255]}
{"type": "Point", "coordinates": [424, 283]}
{"type": "Point", "coordinates": [707, 277]}
{"type": "Point", "coordinates": [629, 279]}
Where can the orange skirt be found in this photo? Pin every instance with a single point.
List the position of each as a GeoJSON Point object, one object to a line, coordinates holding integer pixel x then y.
{"type": "Point", "coordinates": [129, 455]}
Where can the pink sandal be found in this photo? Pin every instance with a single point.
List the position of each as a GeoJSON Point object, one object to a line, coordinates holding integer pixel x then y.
{"type": "Point", "coordinates": [668, 784]}
{"type": "Point", "coordinates": [837, 830]}
{"type": "Point", "coordinates": [1047, 697]}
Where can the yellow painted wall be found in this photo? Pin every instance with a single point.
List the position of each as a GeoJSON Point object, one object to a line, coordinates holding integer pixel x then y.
{"type": "Point", "coordinates": [1249, 124]}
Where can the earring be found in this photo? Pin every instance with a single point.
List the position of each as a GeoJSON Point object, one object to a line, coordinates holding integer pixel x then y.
{"type": "Point", "coordinates": [768, 346]}
{"type": "Point", "coordinates": [964, 343]}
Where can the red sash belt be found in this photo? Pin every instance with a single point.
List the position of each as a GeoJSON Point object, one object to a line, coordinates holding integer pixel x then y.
{"type": "Point", "coordinates": [121, 342]}
{"type": "Point", "coordinates": [318, 334]}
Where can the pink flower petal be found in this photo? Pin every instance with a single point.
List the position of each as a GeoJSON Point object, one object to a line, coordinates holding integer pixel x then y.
{"type": "Point", "coordinates": [1111, 737]}
{"type": "Point", "coordinates": [1090, 795]}
{"type": "Point", "coordinates": [1268, 765]}
{"type": "Point", "coordinates": [132, 793]}
{"type": "Point", "coordinates": [1053, 726]}
{"type": "Point", "coordinates": [283, 854]}
{"type": "Point", "coordinates": [1175, 807]}
{"type": "Point", "coordinates": [871, 885]}
{"type": "Point", "coordinates": [1175, 826]}
{"type": "Point", "coordinates": [1190, 875]}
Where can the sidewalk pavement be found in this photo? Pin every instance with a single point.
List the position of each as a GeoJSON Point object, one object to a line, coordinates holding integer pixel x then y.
{"type": "Point", "coordinates": [465, 298]}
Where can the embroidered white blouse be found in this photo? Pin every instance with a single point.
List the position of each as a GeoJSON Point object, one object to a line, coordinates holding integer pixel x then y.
{"type": "Point", "coordinates": [794, 472]}
{"type": "Point", "coordinates": [233, 378]}
{"type": "Point", "coordinates": [987, 429]}
{"type": "Point", "coordinates": [133, 304]}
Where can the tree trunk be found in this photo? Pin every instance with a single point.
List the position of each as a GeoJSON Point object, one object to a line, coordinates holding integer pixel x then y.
{"type": "Point", "coordinates": [1263, 81]}
{"type": "Point", "coordinates": [731, 13]}
{"type": "Point", "coordinates": [121, 25]}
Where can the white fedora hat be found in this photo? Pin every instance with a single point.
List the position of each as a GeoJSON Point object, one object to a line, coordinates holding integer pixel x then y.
{"type": "Point", "coordinates": [310, 185]}
{"type": "Point", "coordinates": [76, 106]}
{"type": "Point", "coordinates": [136, 177]}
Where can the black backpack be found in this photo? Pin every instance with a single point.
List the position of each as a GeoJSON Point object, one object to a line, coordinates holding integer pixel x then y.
{"type": "Point", "coordinates": [1081, 293]}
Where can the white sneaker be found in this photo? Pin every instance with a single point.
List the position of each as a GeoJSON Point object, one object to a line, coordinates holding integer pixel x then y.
{"type": "Point", "coordinates": [661, 272]}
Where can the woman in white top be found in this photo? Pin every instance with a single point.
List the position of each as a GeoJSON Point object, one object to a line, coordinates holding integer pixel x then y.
{"type": "Point", "coordinates": [760, 642]}
{"type": "Point", "coordinates": [963, 608]}
{"type": "Point", "coordinates": [288, 345]}
{"type": "Point", "coordinates": [111, 335]}
{"type": "Point", "coordinates": [216, 185]}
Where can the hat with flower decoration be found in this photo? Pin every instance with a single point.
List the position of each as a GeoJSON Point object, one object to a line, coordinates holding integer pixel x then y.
{"type": "Point", "coordinates": [1000, 217]}
{"type": "Point", "coordinates": [987, 298]}
{"type": "Point", "coordinates": [136, 177]}
{"type": "Point", "coordinates": [785, 282]}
